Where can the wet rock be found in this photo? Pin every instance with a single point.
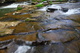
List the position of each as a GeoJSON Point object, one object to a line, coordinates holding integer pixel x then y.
{"type": "Point", "coordinates": [54, 48]}
{"type": "Point", "coordinates": [8, 37]}
{"type": "Point", "coordinates": [45, 3]}
{"type": "Point", "coordinates": [60, 35]}
{"type": "Point", "coordinates": [16, 13]}
{"type": "Point", "coordinates": [27, 27]}
{"type": "Point", "coordinates": [59, 24]}
{"type": "Point", "coordinates": [4, 30]}
{"type": "Point", "coordinates": [2, 1]}
{"type": "Point", "coordinates": [32, 20]}
{"type": "Point", "coordinates": [22, 27]}
{"type": "Point", "coordinates": [25, 9]}
{"type": "Point", "coordinates": [64, 9]}
{"type": "Point", "coordinates": [71, 5]}
{"type": "Point", "coordinates": [73, 1]}
{"type": "Point", "coordinates": [52, 35]}
{"type": "Point", "coordinates": [37, 14]}
{"type": "Point", "coordinates": [73, 47]}
{"type": "Point", "coordinates": [4, 44]}
{"type": "Point", "coordinates": [36, 43]}
{"type": "Point", "coordinates": [34, 3]}
{"type": "Point", "coordinates": [51, 10]}
{"type": "Point", "coordinates": [12, 47]}
{"type": "Point", "coordinates": [31, 37]}
{"type": "Point", "coordinates": [74, 17]}
{"type": "Point", "coordinates": [8, 24]}
{"type": "Point", "coordinates": [16, 17]}
{"type": "Point", "coordinates": [2, 51]}
{"type": "Point", "coordinates": [27, 6]}
{"type": "Point", "coordinates": [21, 0]}
{"type": "Point", "coordinates": [78, 28]}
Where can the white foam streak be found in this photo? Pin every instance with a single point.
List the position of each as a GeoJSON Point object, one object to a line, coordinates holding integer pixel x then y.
{"type": "Point", "coordinates": [51, 6]}
{"type": "Point", "coordinates": [71, 11]}
{"type": "Point", "coordinates": [22, 49]}
{"type": "Point", "coordinates": [14, 5]}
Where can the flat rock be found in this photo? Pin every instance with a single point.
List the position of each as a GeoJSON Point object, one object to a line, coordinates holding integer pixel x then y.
{"type": "Point", "coordinates": [27, 27]}
{"type": "Point", "coordinates": [73, 47]}
{"type": "Point", "coordinates": [4, 30]}
{"type": "Point", "coordinates": [59, 24]}
{"type": "Point", "coordinates": [60, 35]}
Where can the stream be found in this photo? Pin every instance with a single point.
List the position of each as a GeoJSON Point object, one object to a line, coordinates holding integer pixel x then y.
{"type": "Point", "coordinates": [52, 32]}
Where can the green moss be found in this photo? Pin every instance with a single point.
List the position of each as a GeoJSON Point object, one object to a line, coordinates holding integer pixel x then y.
{"type": "Point", "coordinates": [28, 19]}
{"type": "Point", "coordinates": [39, 5]}
{"type": "Point", "coordinates": [50, 2]}
{"type": "Point", "coordinates": [19, 8]}
{"type": "Point", "coordinates": [43, 0]}
{"type": "Point", "coordinates": [6, 10]}
{"type": "Point", "coordinates": [34, 0]}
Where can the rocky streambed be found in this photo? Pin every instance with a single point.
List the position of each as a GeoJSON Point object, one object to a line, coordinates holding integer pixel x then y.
{"type": "Point", "coordinates": [34, 31]}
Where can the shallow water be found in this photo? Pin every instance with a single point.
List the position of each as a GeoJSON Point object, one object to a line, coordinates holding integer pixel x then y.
{"type": "Point", "coordinates": [56, 33]}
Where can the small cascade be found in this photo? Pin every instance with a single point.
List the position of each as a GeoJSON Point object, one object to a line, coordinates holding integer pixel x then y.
{"type": "Point", "coordinates": [51, 6]}
{"type": "Point", "coordinates": [22, 49]}
{"type": "Point", "coordinates": [14, 5]}
{"type": "Point", "coordinates": [71, 11]}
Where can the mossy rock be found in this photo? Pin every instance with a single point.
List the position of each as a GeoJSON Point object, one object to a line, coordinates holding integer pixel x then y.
{"type": "Point", "coordinates": [50, 2]}
{"type": "Point", "coordinates": [19, 8]}
{"type": "Point", "coordinates": [39, 5]}
{"type": "Point", "coordinates": [43, 0]}
{"type": "Point", "coordinates": [29, 19]}
{"type": "Point", "coordinates": [6, 10]}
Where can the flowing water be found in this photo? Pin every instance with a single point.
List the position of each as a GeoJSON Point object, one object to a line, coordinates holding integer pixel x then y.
{"type": "Point", "coordinates": [10, 8]}
{"type": "Point", "coordinates": [14, 5]}
{"type": "Point", "coordinates": [22, 49]}
{"type": "Point", "coordinates": [57, 32]}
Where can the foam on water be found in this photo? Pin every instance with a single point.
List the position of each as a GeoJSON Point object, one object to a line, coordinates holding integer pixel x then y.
{"type": "Point", "coordinates": [22, 49]}
{"type": "Point", "coordinates": [71, 11]}
{"type": "Point", "coordinates": [51, 6]}
{"type": "Point", "coordinates": [14, 5]}
{"type": "Point", "coordinates": [43, 9]}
